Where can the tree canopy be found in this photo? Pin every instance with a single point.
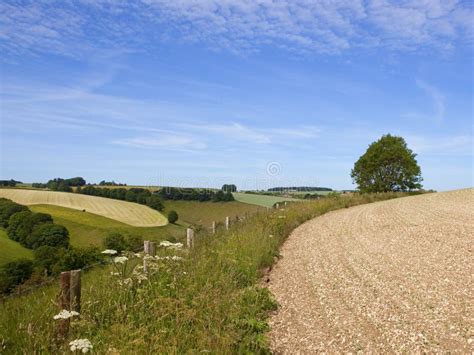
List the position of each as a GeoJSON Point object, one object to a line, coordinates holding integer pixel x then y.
{"type": "Point", "coordinates": [387, 165]}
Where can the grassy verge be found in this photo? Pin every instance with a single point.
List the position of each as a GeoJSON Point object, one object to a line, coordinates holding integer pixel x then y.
{"type": "Point", "coordinates": [210, 301]}
{"type": "Point", "coordinates": [11, 250]}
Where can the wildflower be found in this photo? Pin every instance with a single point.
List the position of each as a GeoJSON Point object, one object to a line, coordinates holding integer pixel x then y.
{"type": "Point", "coordinates": [125, 282]}
{"type": "Point", "coordinates": [120, 259]}
{"type": "Point", "coordinates": [109, 252]}
{"type": "Point", "coordinates": [114, 273]}
{"type": "Point", "coordinates": [137, 255]}
{"type": "Point", "coordinates": [174, 257]}
{"type": "Point", "coordinates": [148, 257]}
{"type": "Point", "coordinates": [168, 244]}
{"type": "Point", "coordinates": [83, 345]}
{"type": "Point", "coordinates": [270, 236]}
{"type": "Point", "coordinates": [65, 314]}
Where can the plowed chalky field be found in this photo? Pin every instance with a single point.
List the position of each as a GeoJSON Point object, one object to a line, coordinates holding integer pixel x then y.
{"type": "Point", "coordinates": [393, 276]}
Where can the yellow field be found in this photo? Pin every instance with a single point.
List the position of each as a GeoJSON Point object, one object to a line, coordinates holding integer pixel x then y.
{"type": "Point", "coordinates": [133, 214]}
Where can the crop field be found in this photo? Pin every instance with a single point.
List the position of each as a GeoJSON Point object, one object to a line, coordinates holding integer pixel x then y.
{"type": "Point", "coordinates": [261, 200]}
{"type": "Point", "coordinates": [10, 250]}
{"type": "Point", "coordinates": [387, 277]}
{"type": "Point", "coordinates": [130, 213]}
{"type": "Point", "coordinates": [88, 229]}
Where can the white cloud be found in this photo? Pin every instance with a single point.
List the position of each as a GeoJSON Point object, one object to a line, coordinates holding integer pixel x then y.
{"type": "Point", "coordinates": [309, 26]}
{"type": "Point", "coordinates": [168, 142]}
{"type": "Point", "coordinates": [438, 99]}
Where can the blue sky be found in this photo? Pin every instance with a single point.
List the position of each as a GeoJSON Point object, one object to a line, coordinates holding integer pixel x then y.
{"type": "Point", "coordinates": [258, 93]}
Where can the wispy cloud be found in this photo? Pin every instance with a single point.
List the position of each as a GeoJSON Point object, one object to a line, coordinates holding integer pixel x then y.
{"type": "Point", "coordinates": [308, 26]}
{"type": "Point", "coordinates": [436, 96]}
{"type": "Point", "coordinates": [166, 142]}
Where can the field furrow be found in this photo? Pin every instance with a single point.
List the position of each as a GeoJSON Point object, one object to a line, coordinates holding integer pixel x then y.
{"type": "Point", "coordinates": [392, 276]}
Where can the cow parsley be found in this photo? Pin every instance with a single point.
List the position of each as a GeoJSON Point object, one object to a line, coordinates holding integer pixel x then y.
{"type": "Point", "coordinates": [83, 345]}
{"type": "Point", "coordinates": [65, 314]}
{"type": "Point", "coordinates": [120, 259]}
{"type": "Point", "coordinates": [109, 252]}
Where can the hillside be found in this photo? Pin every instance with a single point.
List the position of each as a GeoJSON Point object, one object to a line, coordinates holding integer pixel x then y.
{"type": "Point", "coordinates": [10, 250]}
{"type": "Point", "coordinates": [378, 278]}
{"type": "Point", "coordinates": [126, 212]}
{"type": "Point", "coordinates": [261, 200]}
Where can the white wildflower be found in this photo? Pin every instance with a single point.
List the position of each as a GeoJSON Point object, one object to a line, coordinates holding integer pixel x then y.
{"type": "Point", "coordinates": [175, 257]}
{"type": "Point", "coordinates": [148, 257]}
{"type": "Point", "coordinates": [125, 282]}
{"type": "Point", "coordinates": [83, 345]}
{"type": "Point", "coordinates": [114, 273]}
{"type": "Point", "coordinates": [109, 252]}
{"type": "Point", "coordinates": [168, 244]}
{"type": "Point", "coordinates": [120, 259]}
{"type": "Point", "coordinates": [270, 236]}
{"type": "Point", "coordinates": [65, 314]}
{"type": "Point", "coordinates": [138, 255]}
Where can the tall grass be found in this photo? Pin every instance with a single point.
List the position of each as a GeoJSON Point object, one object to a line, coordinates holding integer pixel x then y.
{"type": "Point", "coordinates": [211, 301]}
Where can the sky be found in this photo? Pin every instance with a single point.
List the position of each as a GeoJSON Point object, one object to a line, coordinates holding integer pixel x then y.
{"type": "Point", "coordinates": [259, 93]}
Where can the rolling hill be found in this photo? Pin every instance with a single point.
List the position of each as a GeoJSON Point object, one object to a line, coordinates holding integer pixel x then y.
{"type": "Point", "coordinates": [129, 213]}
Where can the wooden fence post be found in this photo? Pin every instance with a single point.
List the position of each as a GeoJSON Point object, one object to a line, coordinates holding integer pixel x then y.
{"type": "Point", "coordinates": [75, 290]}
{"type": "Point", "coordinates": [152, 248]}
{"type": "Point", "coordinates": [64, 302]}
{"type": "Point", "coordinates": [277, 206]}
{"type": "Point", "coordinates": [213, 227]}
{"type": "Point", "coordinates": [190, 238]}
{"type": "Point", "coordinates": [227, 223]}
{"type": "Point", "coordinates": [146, 246]}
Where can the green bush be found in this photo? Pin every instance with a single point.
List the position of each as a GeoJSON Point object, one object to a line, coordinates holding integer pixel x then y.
{"type": "Point", "coordinates": [50, 234]}
{"type": "Point", "coordinates": [73, 259]}
{"type": "Point", "coordinates": [46, 257]}
{"type": "Point", "coordinates": [115, 241]}
{"type": "Point", "coordinates": [7, 209]}
{"type": "Point", "coordinates": [134, 242]}
{"type": "Point", "coordinates": [14, 273]}
{"type": "Point", "coordinates": [21, 225]}
{"type": "Point", "coordinates": [172, 216]}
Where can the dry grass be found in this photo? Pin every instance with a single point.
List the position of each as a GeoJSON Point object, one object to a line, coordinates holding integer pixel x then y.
{"type": "Point", "coordinates": [393, 276]}
{"type": "Point", "coordinates": [130, 213]}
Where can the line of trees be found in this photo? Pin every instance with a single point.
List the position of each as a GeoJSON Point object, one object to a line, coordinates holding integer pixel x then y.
{"type": "Point", "coordinates": [190, 194]}
{"type": "Point", "coordinates": [49, 241]}
{"type": "Point", "coordinates": [299, 188]}
{"type": "Point", "coordinates": [10, 183]}
{"type": "Point", "coordinates": [110, 183]}
{"type": "Point", "coordinates": [60, 184]}
{"type": "Point", "coordinates": [134, 194]}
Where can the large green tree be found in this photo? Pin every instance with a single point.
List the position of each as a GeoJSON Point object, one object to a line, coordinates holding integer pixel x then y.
{"type": "Point", "coordinates": [387, 165]}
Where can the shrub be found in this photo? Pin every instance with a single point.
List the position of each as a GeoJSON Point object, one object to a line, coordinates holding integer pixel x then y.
{"type": "Point", "coordinates": [7, 209]}
{"type": "Point", "coordinates": [115, 241]}
{"type": "Point", "coordinates": [134, 242]}
{"type": "Point", "coordinates": [21, 224]}
{"type": "Point", "coordinates": [172, 216]}
{"type": "Point", "coordinates": [46, 257]}
{"type": "Point", "coordinates": [50, 234]}
{"type": "Point", "coordinates": [14, 273]}
{"type": "Point", "coordinates": [76, 258]}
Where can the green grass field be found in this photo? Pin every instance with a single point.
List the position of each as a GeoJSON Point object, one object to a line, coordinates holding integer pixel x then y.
{"type": "Point", "coordinates": [203, 213]}
{"type": "Point", "coordinates": [262, 200]}
{"type": "Point", "coordinates": [10, 250]}
{"type": "Point", "coordinates": [90, 229]}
